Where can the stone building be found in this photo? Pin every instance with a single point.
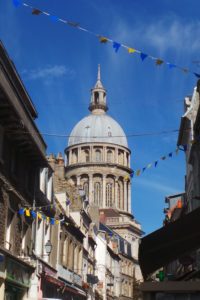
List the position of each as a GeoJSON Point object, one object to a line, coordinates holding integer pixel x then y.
{"type": "Point", "coordinates": [22, 155]}
{"type": "Point", "coordinates": [98, 161]}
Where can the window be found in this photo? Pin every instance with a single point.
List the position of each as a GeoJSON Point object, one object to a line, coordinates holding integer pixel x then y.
{"type": "Point", "coordinates": [97, 193]}
{"type": "Point", "coordinates": [109, 156]}
{"type": "Point", "coordinates": [74, 156]}
{"type": "Point", "coordinates": [87, 156]}
{"type": "Point", "coordinates": [98, 155]}
{"type": "Point", "coordinates": [109, 198]}
{"type": "Point", "coordinates": [96, 97]}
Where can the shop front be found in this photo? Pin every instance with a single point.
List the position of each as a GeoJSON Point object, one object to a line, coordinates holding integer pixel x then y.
{"type": "Point", "coordinates": [17, 280]}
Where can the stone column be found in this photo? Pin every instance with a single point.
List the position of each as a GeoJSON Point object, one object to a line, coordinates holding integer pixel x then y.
{"type": "Point", "coordinates": [79, 155]}
{"type": "Point", "coordinates": [90, 188]}
{"type": "Point", "coordinates": [91, 153]}
{"type": "Point", "coordinates": [125, 160]}
{"type": "Point", "coordinates": [116, 192]}
{"type": "Point", "coordinates": [116, 156]}
{"type": "Point", "coordinates": [104, 154]}
{"type": "Point", "coordinates": [129, 197]}
{"type": "Point", "coordinates": [104, 191]}
{"type": "Point", "coordinates": [125, 195]}
{"type": "Point", "coordinates": [78, 180]}
{"type": "Point", "coordinates": [70, 157]}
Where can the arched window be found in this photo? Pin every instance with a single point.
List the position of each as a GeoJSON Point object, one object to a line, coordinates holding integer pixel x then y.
{"type": "Point", "coordinates": [109, 194]}
{"type": "Point", "coordinates": [86, 188]}
{"type": "Point", "coordinates": [96, 97]}
{"type": "Point", "coordinates": [74, 156]}
{"type": "Point", "coordinates": [121, 157]}
{"type": "Point", "coordinates": [87, 156]}
{"type": "Point", "coordinates": [109, 156]}
{"type": "Point", "coordinates": [98, 155]}
{"type": "Point", "coordinates": [97, 193]}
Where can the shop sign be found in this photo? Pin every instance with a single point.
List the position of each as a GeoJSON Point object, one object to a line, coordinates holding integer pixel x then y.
{"type": "Point", "coordinates": [17, 273]}
{"type": "Point", "coordinates": [69, 276]}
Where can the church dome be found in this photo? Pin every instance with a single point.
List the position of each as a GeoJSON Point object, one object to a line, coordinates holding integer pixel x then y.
{"type": "Point", "coordinates": [99, 128]}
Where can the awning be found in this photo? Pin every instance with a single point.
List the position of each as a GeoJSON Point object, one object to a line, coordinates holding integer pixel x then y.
{"type": "Point", "coordinates": [169, 243]}
{"type": "Point", "coordinates": [66, 287]}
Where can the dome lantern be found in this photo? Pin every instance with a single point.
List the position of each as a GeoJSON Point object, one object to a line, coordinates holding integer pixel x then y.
{"type": "Point", "coordinates": [98, 97]}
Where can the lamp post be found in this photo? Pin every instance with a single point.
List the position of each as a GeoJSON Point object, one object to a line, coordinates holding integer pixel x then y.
{"type": "Point", "coordinates": [48, 247]}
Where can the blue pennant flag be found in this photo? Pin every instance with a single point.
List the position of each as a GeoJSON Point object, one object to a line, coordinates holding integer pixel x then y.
{"type": "Point", "coordinates": [171, 66]}
{"type": "Point", "coordinates": [17, 3]}
{"type": "Point", "coordinates": [143, 56]}
{"type": "Point", "coordinates": [132, 174]}
{"type": "Point", "coordinates": [156, 162]}
{"type": "Point", "coordinates": [197, 75]}
{"type": "Point", "coordinates": [33, 214]}
{"type": "Point", "coordinates": [21, 211]}
{"type": "Point", "coordinates": [143, 169]}
{"type": "Point", "coordinates": [185, 148]}
{"type": "Point", "coordinates": [52, 221]}
{"type": "Point", "coordinates": [170, 154]}
{"type": "Point", "coordinates": [116, 46]}
{"type": "Point", "coordinates": [54, 18]}
{"type": "Point", "coordinates": [68, 202]}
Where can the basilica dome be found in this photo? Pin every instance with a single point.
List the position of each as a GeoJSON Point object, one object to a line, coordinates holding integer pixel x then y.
{"type": "Point", "coordinates": [99, 128]}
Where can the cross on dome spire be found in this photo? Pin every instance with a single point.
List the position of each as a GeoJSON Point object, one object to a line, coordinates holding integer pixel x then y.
{"type": "Point", "coordinates": [98, 96]}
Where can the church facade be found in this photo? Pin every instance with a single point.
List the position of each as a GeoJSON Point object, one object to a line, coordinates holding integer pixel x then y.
{"type": "Point", "coordinates": [98, 161]}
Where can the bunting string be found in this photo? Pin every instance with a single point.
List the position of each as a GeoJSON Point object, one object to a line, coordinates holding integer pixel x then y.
{"type": "Point", "coordinates": [103, 39]}
{"type": "Point", "coordinates": [30, 213]}
{"type": "Point", "coordinates": [154, 164]}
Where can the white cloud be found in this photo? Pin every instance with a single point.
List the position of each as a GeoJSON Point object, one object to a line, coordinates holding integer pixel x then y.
{"type": "Point", "coordinates": [161, 187]}
{"type": "Point", "coordinates": [49, 72]}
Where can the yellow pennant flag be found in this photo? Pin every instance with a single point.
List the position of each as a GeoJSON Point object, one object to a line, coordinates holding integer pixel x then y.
{"type": "Point", "coordinates": [131, 50]}
{"type": "Point", "coordinates": [39, 216]}
{"type": "Point", "coordinates": [126, 177]}
{"type": "Point", "coordinates": [57, 222]}
{"type": "Point", "coordinates": [138, 172]}
{"type": "Point", "coordinates": [103, 39]}
{"type": "Point", "coordinates": [27, 212]}
{"type": "Point", "coordinates": [47, 219]}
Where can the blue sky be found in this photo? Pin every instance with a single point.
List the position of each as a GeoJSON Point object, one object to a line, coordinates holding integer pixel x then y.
{"type": "Point", "coordinates": [58, 65]}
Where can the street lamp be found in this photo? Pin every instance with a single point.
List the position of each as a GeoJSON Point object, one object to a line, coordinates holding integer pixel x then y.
{"type": "Point", "coordinates": [48, 247]}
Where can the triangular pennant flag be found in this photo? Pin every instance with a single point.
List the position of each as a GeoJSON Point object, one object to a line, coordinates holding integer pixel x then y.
{"type": "Point", "coordinates": [21, 211]}
{"type": "Point", "coordinates": [39, 216]}
{"type": "Point", "coordinates": [131, 50]}
{"type": "Point", "coordinates": [143, 169]}
{"type": "Point", "coordinates": [103, 39]}
{"type": "Point", "coordinates": [149, 166]}
{"type": "Point", "coordinates": [57, 222]}
{"type": "Point", "coordinates": [68, 202]}
{"type": "Point", "coordinates": [163, 157]}
{"type": "Point", "coordinates": [33, 214]}
{"type": "Point", "coordinates": [132, 174]}
{"type": "Point", "coordinates": [17, 3]}
{"type": "Point", "coordinates": [197, 75]}
{"type": "Point", "coordinates": [155, 164]}
{"type": "Point", "coordinates": [171, 66]}
{"type": "Point", "coordinates": [138, 172]}
{"type": "Point", "coordinates": [159, 62]}
{"type": "Point", "coordinates": [143, 56]}
{"type": "Point", "coordinates": [36, 12]}
{"type": "Point", "coordinates": [185, 148]}
{"type": "Point", "coordinates": [52, 221]}
{"type": "Point", "coordinates": [27, 212]}
{"type": "Point", "coordinates": [54, 18]}
{"type": "Point", "coordinates": [170, 154]}
{"type": "Point", "coordinates": [74, 24]}
{"type": "Point", "coordinates": [116, 46]}
{"type": "Point", "coordinates": [47, 219]}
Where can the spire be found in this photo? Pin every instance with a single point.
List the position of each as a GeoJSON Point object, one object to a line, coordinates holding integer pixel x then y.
{"type": "Point", "coordinates": [98, 96]}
